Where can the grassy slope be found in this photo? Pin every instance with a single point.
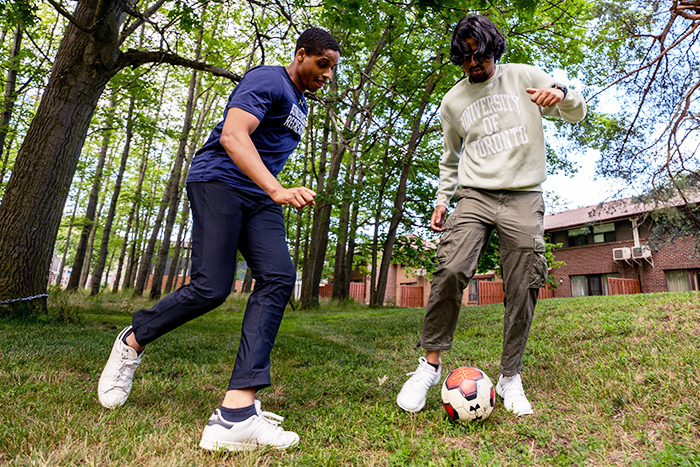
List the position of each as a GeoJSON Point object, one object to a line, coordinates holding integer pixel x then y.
{"type": "Point", "coordinates": [613, 380]}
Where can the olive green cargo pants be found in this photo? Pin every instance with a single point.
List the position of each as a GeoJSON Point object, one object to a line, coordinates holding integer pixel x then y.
{"type": "Point", "coordinates": [517, 218]}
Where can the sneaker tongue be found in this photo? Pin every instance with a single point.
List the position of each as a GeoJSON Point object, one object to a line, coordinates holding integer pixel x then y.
{"type": "Point", "coordinates": [258, 410]}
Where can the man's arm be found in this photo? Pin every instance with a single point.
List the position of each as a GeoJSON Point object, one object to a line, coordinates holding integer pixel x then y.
{"type": "Point", "coordinates": [553, 102]}
{"type": "Point", "coordinates": [449, 168]}
{"type": "Point", "coordinates": [235, 138]}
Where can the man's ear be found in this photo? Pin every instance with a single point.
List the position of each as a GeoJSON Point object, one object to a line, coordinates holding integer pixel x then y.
{"type": "Point", "coordinates": [301, 54]}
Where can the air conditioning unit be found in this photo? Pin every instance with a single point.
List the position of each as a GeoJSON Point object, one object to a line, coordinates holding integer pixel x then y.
{"type": "Point", "coordinates": [641, 252]}
{"type": "Point", "coordinates": [620, 254]}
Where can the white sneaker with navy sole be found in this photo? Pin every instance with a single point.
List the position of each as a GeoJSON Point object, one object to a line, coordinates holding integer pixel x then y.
{"type": "Point", "coordinates": [259, 431]}
{"type": "Point", "coordinates": [117, 377]}
{"type": "Point", "coordinates": [412, 396]}
{"type": "Point", "coordinates": [510, 388]}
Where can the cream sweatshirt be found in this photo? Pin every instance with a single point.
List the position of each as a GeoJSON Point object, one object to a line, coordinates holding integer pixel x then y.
{"type": "Point", "coordinates": [493, 132]}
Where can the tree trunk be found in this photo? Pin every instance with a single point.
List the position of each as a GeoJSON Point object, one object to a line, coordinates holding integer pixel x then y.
{"type": "Point", "coordinates": [184, 215]}
{"type": "Point", "coordinates": [309, 286]}
{"type": "Point", "coordinates": [343, 226]}
{"type": "Point", "coordinates": [350, 255]}
{"type": "Point", "coordinates": [130, 275]}
{"type": "Point", "coordinates": [323, 209]}
{"type": "Point", "coordinates": [377, 223]}
{"type": "Point", "coordinates": [147, 256]}
{"type": "Point", "coordinates": [127, 230]}
{"type": "Point", "coordinates": [138, 234]}
{"type": "Point", "coordinates": [175, 188]}
{"type": "Point", "coordinates": [187, 264]}
{"type": "Point", "coordinates": [247, 281]}
{"type": "Point", "coordinates": [74, 282]}
{"type": "Point", "coordinates": [397, 215]}
{"type": "Point", "coordinates": [31, 209]}
{"type": "Point", "coordinates": [108, 269]}
{"type": "Point", "coordinates": [178, 245]}
{"type": "Point", "coordinates": [70, 230]}
{"type": "Point", "coordinates": [9, 101]}
{"type": "Point", "coordinates": [91, 239]}
{"type": "Point", "coordinates": [107, 230]}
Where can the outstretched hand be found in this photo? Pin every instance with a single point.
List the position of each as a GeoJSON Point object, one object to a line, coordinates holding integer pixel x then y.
{"type": "Point", "coordinates": [546, 97]}
{"type": "Point", "coordinates": [297, 197]}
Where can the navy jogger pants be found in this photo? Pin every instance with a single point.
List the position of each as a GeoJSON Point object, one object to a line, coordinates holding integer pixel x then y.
{"type": "Point", "coordinates": [226, 220]}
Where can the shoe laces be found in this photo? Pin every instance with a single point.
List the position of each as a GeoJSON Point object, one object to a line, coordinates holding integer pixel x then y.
{"type": "Point", "coordinates": [268, 417]}
{"type": "Point", "coordinates": [424, 374]}
{"type": "Point", "coordinates": [127, 365]}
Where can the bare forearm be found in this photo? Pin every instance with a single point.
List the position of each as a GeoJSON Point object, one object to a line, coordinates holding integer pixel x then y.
{"type": "Point", "coordinates": [243, 153]}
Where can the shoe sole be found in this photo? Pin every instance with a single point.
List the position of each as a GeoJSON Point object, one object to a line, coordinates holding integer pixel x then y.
{"type": "Point", "coordinates": [498, 391]}
{"type": "Point", "coordinates": [409, 410]}
{"type": "Point", "coordinates": [216, 445]}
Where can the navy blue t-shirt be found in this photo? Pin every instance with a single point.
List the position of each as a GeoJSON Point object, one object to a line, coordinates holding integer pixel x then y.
{"type": "Point", "coordinates": [268, 93]}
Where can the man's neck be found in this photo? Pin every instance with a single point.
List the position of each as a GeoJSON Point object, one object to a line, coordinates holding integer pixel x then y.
{"type": "Point", "coordinates": [294, 76]}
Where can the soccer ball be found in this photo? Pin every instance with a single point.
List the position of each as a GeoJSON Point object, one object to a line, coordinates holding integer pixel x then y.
{"type": "Point", "coordinates": [468, 394]}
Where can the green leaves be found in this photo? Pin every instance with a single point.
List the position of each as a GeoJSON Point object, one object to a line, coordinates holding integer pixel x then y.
{"type": "Point", "coordinates": [22, 12]}
{"type": "Point", "coordinates": [184, 15]}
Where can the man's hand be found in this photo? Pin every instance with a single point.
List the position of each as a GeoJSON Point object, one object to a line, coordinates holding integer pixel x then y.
{"type": "Point", "coordinates": [546, 97]}
{"type": "Point", "coordinates": [437, 220]}
{"type": "Point", "coordinates": [298, 197]}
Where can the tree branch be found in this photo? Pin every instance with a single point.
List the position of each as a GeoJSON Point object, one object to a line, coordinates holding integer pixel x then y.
{"type": "Point", "coordinates": [135, 58]}
{"type": "Point", "coordinates": [140, 19]}
{"type": "Point", "coordinates": [70, 17]}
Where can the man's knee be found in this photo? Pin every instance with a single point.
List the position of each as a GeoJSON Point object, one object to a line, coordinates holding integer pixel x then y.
{"type": "Point", "coordinates": [284, 276]}
{"type": "Point", "coordinates": [211, 297]}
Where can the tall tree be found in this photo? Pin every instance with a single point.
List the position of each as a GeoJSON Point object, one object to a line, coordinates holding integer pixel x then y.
{"type": "Point", "coordinates": [174, 185]}
{"type": "Point", "coordinates": [417, 133]}
{"type": "Point", "coordinates": [93, 199]}
{"type": "Point", "coordinates": [323, 208]}
{"type": "Point", "coordinates": [107, 229]}
{"type": "Point", "coordinates": [30, 212]}
{"type": "Point", "coordinates": [10, 94]}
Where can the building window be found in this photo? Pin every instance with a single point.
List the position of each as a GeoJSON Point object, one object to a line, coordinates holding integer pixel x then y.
{"type": "Point", "coordinates": [578, 237]}
{"type": "Point", "coordinates": [604, 233]}
{"type": "Point", "coordinates": [682, 280]}
{"type": "Point", "coordinates": [589, 285]}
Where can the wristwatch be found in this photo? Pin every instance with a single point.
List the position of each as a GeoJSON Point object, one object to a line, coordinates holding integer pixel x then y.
{"type": "Point", "coordinates": [560, 87]}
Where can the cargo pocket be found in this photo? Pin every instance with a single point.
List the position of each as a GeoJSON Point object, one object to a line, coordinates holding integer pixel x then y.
{"type": "Point", "coordinates": [539, 269]}
{"type": "Point", "coordinates": [446, 243]}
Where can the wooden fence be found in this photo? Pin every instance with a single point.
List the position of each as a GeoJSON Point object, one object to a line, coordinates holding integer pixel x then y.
{"type": "Point", "coordinates": [325, 291]}
{"type": "Point", "coordinates": [545, 292]}
{"type": "Point", "coordinates": [411, 296]}
{"type": "Point", "coordinates": [492, 292]}
{"type": "Point", "coordinates": [357, 291]}
{"type": "Point", "coordinates": [617, 286]}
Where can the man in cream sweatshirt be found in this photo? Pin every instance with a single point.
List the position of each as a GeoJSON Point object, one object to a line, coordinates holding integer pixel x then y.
{"type": "Point", "coordinates": [495, 152]}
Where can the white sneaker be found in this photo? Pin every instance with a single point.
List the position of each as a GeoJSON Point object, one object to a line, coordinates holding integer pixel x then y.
{"type": "Point", "coordinates": [116, 378]}
{"type": "Point", "coordinates": [254, 432]}
{"type": "Point", "coordinates": [411, 398]}
{"type": "Point", "coordinates": [510, 388]}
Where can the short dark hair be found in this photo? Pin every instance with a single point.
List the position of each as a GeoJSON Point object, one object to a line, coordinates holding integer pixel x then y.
{"type": "Point", "coordinates": [315, 40]}
{"type": "Point", "coordinates": [491, 43]}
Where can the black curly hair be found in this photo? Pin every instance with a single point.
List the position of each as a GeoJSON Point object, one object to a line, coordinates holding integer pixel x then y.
{"type": "Point", "coordinates": [491, 43]}
{"type": "Point", "coordinates": [315, 40]}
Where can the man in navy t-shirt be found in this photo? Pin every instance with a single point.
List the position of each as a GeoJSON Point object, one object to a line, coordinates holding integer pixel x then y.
{"type": "Point", "coordinates": [236, 205]}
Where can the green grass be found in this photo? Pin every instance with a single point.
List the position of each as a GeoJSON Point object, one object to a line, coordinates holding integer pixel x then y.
{"type": "Point", "coordinates": [613, 381]}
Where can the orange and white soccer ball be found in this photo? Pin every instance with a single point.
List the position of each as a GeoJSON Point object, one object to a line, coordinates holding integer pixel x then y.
{"type": "Point", "coordinates": [468, 394]}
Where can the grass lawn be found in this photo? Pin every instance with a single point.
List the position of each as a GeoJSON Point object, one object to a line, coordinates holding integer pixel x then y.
{"type": "Point", "coordinates": [612, 380]}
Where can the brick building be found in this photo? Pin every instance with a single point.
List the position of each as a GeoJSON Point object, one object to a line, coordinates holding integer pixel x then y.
{"type": "Point", "coordinates": [611, 241]}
